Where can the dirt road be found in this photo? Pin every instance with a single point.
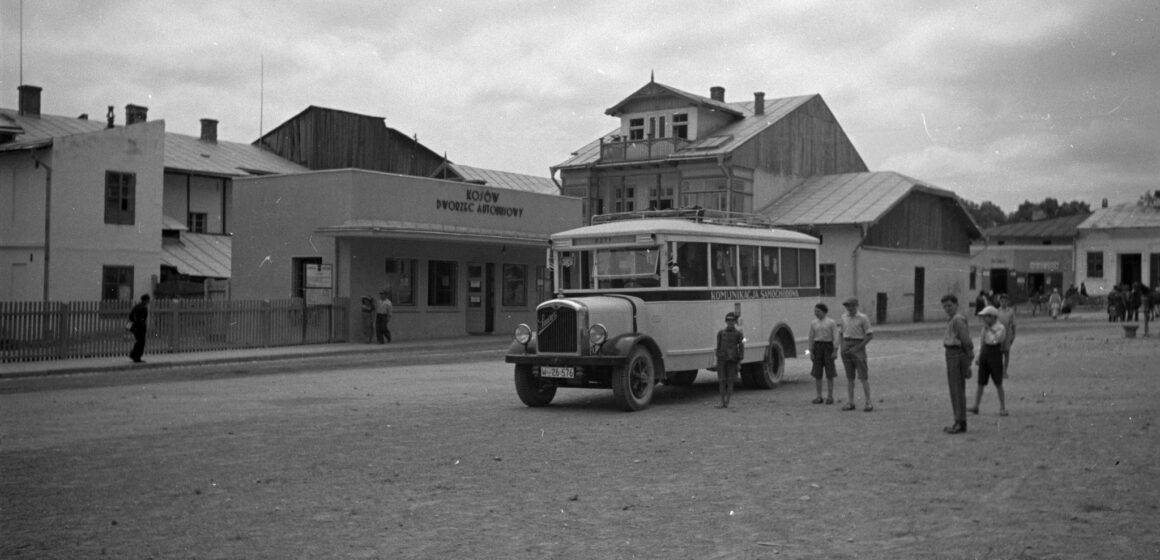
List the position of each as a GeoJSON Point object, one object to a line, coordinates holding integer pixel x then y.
{"type": "Point", "coordinates": [442, 461]}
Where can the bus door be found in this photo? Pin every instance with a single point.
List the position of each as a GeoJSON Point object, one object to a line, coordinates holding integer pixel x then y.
{"type": "Point", "coordinates": [480, 301]}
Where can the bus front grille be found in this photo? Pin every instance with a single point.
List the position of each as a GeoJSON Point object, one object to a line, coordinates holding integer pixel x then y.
{"type": "Point", "coordinates": [556, 328]}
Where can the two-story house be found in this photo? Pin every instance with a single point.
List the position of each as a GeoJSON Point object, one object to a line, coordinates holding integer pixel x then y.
{"type": "Point", "coordinates": [886, 238]}
{"type": "Point", "coordinates": [100, 211]}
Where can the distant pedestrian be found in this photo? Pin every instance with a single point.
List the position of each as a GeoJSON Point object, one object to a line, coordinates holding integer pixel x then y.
{"type": "Point", "coordinates": [990, 359]}
{"type": "Point", "coordinates": [383, 310]}
{"type": "Point", "coordinates": [981, 300]}
{"type": "Point", "coordinates": [823, 335]}
{"type": "Point", "coordinates": [1007, 318]}
{"type": "Point", "coordinates": [1036, 302]}
{"type": "Point", "coordinates": [1055, 303]}
{"type": "Point", "coordinates": [959, 352]}
{"type": "Point", "coordinates": [368, 318]}
{"type": "Point", "coordinates": [139, 325]}
{"type": "Point", "coordinates": [856, 332]}
{"type": "Point", "coordinates": [730, 352]}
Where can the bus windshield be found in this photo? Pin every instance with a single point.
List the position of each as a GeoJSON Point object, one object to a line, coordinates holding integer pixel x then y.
{"type": "Point", "coordinates": [634, 267]}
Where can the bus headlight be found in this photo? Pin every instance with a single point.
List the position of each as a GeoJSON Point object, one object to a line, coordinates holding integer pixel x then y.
{"type": "Point", "coordinates": [523, 333]}
{"type": "Point", "coordinates": [597, 334]}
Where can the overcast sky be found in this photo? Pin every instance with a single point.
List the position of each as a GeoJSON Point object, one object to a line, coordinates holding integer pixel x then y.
{"type": "Point", "coordinates": [998, 101]}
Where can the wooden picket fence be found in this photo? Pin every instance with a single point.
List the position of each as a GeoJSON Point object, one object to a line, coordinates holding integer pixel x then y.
{"type": "Point", "coordinates": [31, 331]}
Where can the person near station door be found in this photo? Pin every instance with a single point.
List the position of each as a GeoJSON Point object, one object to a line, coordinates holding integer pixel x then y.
{"type": "Point", "coordinates": [383, 310]}
{"type": "Point", "coordinates": [960, 351]}
{"type": "Point", "coordinates": [139, 325]}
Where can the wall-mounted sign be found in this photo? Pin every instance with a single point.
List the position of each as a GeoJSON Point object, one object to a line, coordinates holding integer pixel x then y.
{"type": "Point", "coordinates": [480, 201]}
{"type": "Point", "coordinates": [319, 276]}
{"type": "Point", "coordinates": [1049, 266]}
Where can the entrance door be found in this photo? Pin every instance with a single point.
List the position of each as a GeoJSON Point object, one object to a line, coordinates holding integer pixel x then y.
{"type": "Point", "coordinates": [1131, 268]}
{"type": "Point", "coordinates": [480, 304]}
{"type": "Point", "coordinates": [919, 293]}
{"type": "Point", "coordinates": [999, 280]}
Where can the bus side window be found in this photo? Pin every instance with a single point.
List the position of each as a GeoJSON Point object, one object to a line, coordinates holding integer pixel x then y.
{"type": "Point", "coordinates": [770, 266]}
{"type": "Point", "coordinates": [724, 265]}
{"type": "Point", "coordinates": [749, 265]}
{"type": "Point", "coordinates": [691, 265]}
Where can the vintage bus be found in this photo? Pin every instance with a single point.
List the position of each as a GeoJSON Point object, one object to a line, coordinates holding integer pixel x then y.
{"type": "Point", "coordinates": [639, 299]}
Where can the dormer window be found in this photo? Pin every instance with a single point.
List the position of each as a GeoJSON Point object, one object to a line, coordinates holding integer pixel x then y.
{"type": "Point", "coordinates": [681, 125]}
{"type": "Point", "coordinates": [636, 129]}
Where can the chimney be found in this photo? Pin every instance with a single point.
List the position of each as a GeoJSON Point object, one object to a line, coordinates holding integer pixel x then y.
{"type": "Point", "coordinates": [717, 93]}
{"type": "Point", "coordinates": [109, 117]}
{"type": "Point", "coordinates": [759, 103]}
{"type": "Point", "coordinates": [209, 130]}
{"type": "Point", "coordinates": [135, 114]}
{"type": "Point", "coordinates": [1104, 204]}
{"type": "Point", "coordinates": [29, 100]}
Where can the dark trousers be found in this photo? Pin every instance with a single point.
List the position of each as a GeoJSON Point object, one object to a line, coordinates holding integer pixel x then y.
{"type": "Point", "coordinates": [138, 345]}
{"type": "Point", "coordinates": [381, 330]}
{"type": "Point", "coordinates": [958, 368]}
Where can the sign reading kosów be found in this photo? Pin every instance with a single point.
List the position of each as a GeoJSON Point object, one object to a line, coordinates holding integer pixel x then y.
{"type": "Point", "coordinates": [480, 201]}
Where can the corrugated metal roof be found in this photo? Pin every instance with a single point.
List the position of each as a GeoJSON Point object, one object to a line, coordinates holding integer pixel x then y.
{"type": "Point", "coordinates": [1130, 215]}
{"type": "Point", "coordinates": [736, 133]}
{"type": "Point", "coordinates": [1055, 227]}
{"type": "Point", "coordinates": [847, 198]}
{"type": "Point", "coordinates": [198, 254]}
{"type": "Point", "coordinates": [182, 152]}
{"type": "Point", "coordinates": [507, 180]}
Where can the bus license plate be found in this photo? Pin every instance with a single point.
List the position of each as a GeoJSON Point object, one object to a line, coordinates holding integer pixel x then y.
{"type": "Point", "coordinates": [560, 372]}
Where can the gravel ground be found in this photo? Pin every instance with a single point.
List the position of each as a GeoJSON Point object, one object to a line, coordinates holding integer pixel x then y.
{"type": "Point", "coordinates": [442, 461]}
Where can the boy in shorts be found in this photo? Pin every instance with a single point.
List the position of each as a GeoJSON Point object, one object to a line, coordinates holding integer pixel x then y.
{"type": "Point", "coordinates": [823, 335]}
{"type": "Point", "coordinates": [990, 359]}
{"type": "Point", "coordinates": [855, 335]}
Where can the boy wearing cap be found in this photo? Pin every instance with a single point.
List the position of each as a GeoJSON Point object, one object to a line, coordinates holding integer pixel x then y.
{"type": "Point", "coordinates": [990, 360]}
{"type": "Point", "coordinates": [855, 334]}
{"type": "Point", "coordinates": [823, 334]}
{"type": "Point", "coordinates": [730, 352]}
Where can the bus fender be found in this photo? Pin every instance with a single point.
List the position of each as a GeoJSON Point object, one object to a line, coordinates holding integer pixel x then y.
{"type": "Point", "coordinates": [623, 344]}
{"type": "Point", "coordinates": [517, 349]}
{"type": "Point", "coordinates": [783, 334]}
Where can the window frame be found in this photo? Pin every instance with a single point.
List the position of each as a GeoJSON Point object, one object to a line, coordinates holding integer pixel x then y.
{"type": "Point", "coordinates": [400, 276]}
{"type": "Point", "coordinates": [197, 222]}
{"type": "Point", "coordinates": [1095, 259]}
{"type": "Point", "coordinates": [120, 197]}
{"type": "Point", "coordinates": [515, 285]}
{"type": "Point", "coordinates": [828, 279]}
{"type": "Point", "coordinates": [113, 278]}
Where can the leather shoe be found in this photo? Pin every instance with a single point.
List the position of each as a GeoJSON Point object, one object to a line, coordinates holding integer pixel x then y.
{"type": "Point", "coordinates": [957, 428]}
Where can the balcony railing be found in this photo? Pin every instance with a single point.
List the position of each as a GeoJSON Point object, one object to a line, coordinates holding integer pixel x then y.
{"type": "Point", "coordinates": [639, 150]}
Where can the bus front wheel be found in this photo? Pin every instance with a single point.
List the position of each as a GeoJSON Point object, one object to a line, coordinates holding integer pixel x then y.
{"type": "Point", "coordinates": [767, 373]}
{"type": "Point", "coordinates": [634, 382]}
{"type": "Point", "coordinates": [532, 391]}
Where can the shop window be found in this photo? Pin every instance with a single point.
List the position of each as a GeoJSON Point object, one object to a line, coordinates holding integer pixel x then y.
{"type": "Point", "coordinates": [119, 197]}
{"type": "Point", "coordinates": [770, 266]}
{"type": "Point", "coordinates": [1095, 265]}
{"type": "Point", "coordinates": [441, 283]}
{"type": "Point", "coordinates": [828, 279]}
{"type": "Point", "coordinates": [515, 285]}
{"type": "Point", "coordinates": [117, 283]}
{"type": "Point", "coordinates": [401, 280]}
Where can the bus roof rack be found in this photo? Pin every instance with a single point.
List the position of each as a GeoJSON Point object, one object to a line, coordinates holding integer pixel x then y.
{"type": "Point", "coordinates": [695, 214]}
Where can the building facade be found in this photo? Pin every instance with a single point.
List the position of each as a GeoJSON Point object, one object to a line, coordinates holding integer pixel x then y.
{"type": "Point", "coordinates": [454, 257]}
{"type": "Point", "coordinates": [1119, 246]}
{"type": "Point", "coordinates": [1027, 259]}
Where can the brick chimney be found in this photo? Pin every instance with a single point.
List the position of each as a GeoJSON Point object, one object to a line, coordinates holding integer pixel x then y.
{"type": "Point", "coordinates": [209, 130]}
{"type": "Point", "coordinates": [717, 93]}
{"type": "Point", "coordinates": [759, 103]}
{"type": "Point", "coordinates": [135, 114]}
{"type": "Point", "coordinates": [29, 100]}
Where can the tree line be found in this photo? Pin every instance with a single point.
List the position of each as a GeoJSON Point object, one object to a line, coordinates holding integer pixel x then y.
{"type": "Point", "coordinates": [988, 214]}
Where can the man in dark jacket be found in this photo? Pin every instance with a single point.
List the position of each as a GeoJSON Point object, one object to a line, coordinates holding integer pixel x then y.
{"type": "Point", "coordinates": [138, 323]}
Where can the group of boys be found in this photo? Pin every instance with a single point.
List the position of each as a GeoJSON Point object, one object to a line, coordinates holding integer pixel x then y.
{"type": "Point", "coordinates": [848, 336]}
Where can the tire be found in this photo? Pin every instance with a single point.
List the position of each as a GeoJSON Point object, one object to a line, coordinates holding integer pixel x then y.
{"type": "Point", "coordinates": [682, 378]}
{"type": "Point", "coordinates": [767, 373]}
{"type": "Point", "coordinates": [531, 391]}
{"type": "Point", "coordinates": [633, 384]}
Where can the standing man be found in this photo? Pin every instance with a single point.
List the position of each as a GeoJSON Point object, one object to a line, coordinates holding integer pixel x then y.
{"type": "Point", "coordinates": [383, 310]}
{"type": "Point", "coordinates": [856, 334]}
{"type": "Point", "coordinates": [138, 324]}
{"type": "Point", "coordinates": [959, 353]}
{"type": "Point", "coordinates": [823, 335]}
{"type": "Point", "coordinates": [730, 352]}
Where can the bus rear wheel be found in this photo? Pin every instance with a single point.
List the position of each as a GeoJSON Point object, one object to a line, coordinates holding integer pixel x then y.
{"type": "Point", "coordinates": [532, 391]}
{"type": "Point", "coordinates": [634, 382]}
{"type": "Point", "coordinates": [767, 373]}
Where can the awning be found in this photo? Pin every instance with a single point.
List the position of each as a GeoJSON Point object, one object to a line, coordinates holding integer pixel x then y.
{"type": "Point", "coordinates": [198, 254]}
{"type": "Point", "coordinates": [420, 230]}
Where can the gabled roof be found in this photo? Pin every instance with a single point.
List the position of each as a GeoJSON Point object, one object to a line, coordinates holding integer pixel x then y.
{"type": "Point", "coordinates": [320, 109]}
{"type": "Point", "coordinates": [721, 141]}
{"type": "Point", "coordinates": [653, 89]}
{"type": "Point", "coordinates": [1129, 215]}
{"type": "Point", "coordinates": [851, 198]}
{"type": "Point", "coordinates": [182, 152]}
{"type": "Point", "coordinates": [1054, 227]}
{"type": "Point", "coordinates": [501, 179]}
